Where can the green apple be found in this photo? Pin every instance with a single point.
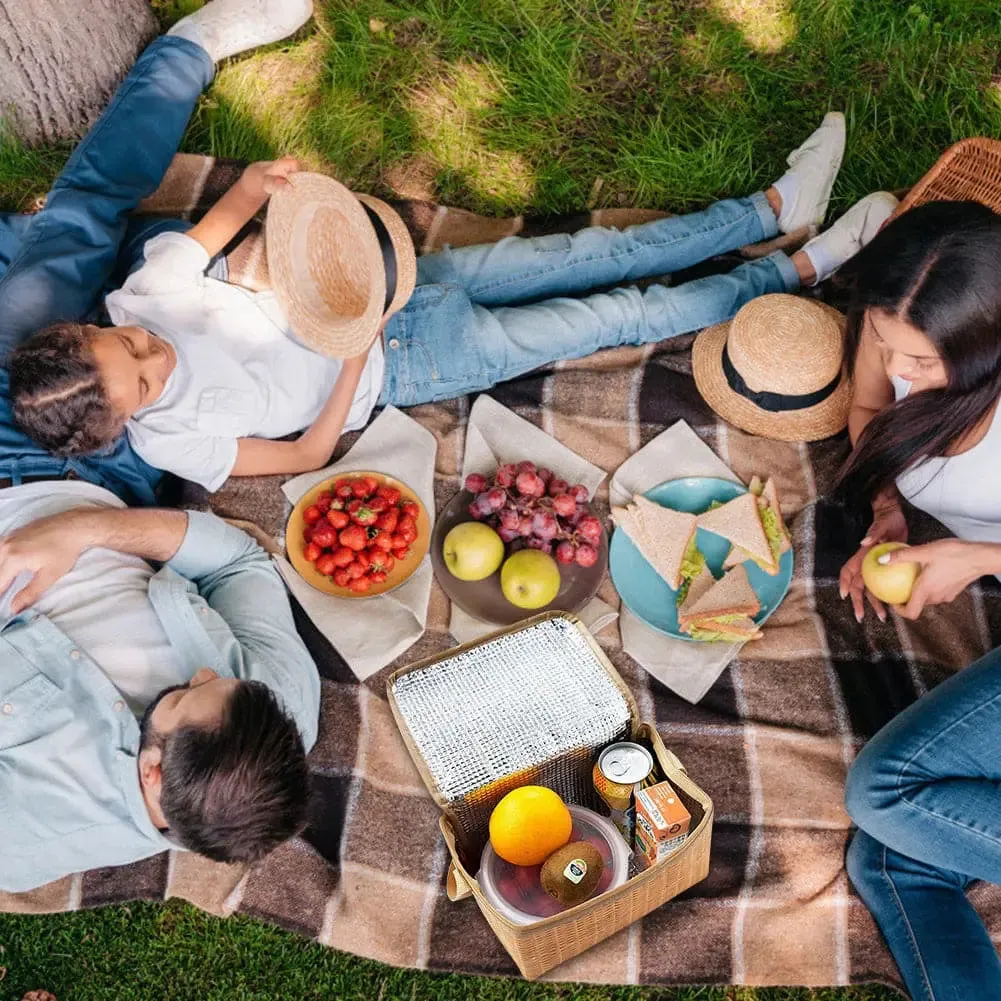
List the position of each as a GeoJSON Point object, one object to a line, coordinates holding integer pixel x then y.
{"type": "Point", "coordinates": [472, 551]}
{"type": "Point", "coordinates": [890, 582]}
{"type": "Point", "coordinates": [530, 578]}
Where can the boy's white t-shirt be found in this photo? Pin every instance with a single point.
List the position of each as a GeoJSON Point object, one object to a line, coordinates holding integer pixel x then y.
{"type": "Point", "coordinates": [240, 372]}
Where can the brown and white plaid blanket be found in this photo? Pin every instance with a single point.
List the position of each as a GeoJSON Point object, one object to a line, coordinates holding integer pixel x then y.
{"type": "Point", "coordinates": [770, 742]}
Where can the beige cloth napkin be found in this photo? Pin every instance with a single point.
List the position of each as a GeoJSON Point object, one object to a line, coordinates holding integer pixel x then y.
{"type": "Point", "coordinates": [495, 435]}
{"type": "Point", "coordinates": [688, 669]}
{"type": "Point", "coordinates": [370, 634]}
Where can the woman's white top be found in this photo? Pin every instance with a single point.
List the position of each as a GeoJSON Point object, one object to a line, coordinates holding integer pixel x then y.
{"type": "Point", "coordinates": [240, 372]}
{"type": "Point", "coordinates": [962, 491]}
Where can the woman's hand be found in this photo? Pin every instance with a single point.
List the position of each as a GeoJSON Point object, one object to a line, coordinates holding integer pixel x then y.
{"type": "Point", "coordinates": [948, 567]}
{"type": "Point", "coordinates": [888, 525]}
{"type": "Point", "coordinates": [264, 178]}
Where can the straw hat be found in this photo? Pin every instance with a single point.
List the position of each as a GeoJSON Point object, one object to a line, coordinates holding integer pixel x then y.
{"type": "Point", "coordinates": [776, 369]}
{"type": "Point", "coordinates": [339, 262]}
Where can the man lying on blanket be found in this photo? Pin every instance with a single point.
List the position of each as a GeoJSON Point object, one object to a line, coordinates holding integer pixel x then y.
{"type": "Point", "coordinates": [141, 709]}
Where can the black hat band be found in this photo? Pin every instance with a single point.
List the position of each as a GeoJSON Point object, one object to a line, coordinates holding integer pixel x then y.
{"type": "Point", "coordinates": [388, 254]}
{"type": "Point", "coordinates": [774, 402]}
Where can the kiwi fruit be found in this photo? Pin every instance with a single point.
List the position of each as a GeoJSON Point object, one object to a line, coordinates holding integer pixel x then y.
{"type": "Point", "coordinates": [572, 872]}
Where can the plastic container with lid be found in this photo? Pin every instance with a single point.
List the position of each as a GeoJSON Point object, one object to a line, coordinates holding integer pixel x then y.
{"type": "Point", "coordinates": [516, 890]}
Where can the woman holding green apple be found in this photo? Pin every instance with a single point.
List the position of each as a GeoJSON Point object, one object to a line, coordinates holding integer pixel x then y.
{"type": "Point", "coordinates": [924, 346]}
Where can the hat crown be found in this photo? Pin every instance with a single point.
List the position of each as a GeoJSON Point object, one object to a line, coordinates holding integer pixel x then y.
{"type": "Point", "coordinates": [786, 344]}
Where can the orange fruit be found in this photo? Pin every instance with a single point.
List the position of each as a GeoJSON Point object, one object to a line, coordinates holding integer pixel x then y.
{"type": "Point", "coordinates": [529, 824]}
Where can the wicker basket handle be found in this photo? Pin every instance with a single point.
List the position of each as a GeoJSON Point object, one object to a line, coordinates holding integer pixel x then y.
{"type": "Point", "coordinates": [455, 885]}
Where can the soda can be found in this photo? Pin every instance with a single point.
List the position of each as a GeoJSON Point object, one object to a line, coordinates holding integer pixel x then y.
{"type": "Point", "coordinates": [622, 770]}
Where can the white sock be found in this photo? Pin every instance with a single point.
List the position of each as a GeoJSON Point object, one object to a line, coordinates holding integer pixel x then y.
{"type": "Point", "coordinates": [787, 186]}
{"type": "Point", "coordinates": [824, 262]}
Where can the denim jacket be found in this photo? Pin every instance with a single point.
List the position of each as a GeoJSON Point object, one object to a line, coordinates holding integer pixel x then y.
{"type": "Point", "coordinates": [70, 798]}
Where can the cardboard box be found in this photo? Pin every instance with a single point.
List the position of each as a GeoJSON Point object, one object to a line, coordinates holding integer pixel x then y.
{"type": "Point", "coordinates": [661, 823]}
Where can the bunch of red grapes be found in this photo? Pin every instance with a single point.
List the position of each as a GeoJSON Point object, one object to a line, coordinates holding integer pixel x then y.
{"type": "Point", "coordinates": [532, 508]}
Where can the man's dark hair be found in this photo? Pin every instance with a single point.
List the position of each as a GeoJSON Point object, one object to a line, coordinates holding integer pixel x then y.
{"type": "Point", "coordinates": [58, 396]}
{"type": "Point", "coordinates": [236, 791]}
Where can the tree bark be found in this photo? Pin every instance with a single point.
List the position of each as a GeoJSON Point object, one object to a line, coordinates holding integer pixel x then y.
{"type": "Point", "coordinates": [61, 60]}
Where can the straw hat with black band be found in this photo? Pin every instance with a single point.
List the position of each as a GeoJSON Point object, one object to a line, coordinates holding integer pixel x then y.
{"type": "Point", "coordinates": [776, 369]}
{"type": "Point", "coordinates": [339, 263]}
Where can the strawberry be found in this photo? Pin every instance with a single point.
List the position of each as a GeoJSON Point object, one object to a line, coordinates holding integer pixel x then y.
{"type": "Point", "coordinates": [354, 537]}
{"type": "Point", "coordinates": [359, 489]}
{"type": "Point", "coordinates": [325, 564]}
{"type": "Point", "coordinates": [324, 535]}
{"type": "Point", "coordinates": [392, 494]}
{"type": "Point", "coordinates": [380, 540]}
{"type": "Point", "coordinates": [354, 570]}
{"type": "Point", "coordinates": [377, 577]}
{"type": "Point", "coordinates": [343, 556]}
{"type": "Point", "coordinates": [364, 559]}
{"type": "Point", "coordinates": [312, 552]}
{"type": "Point", "coordinates": [377, 504]}
{"type": "Point", "coordinates": [341, 578]}
{"type": "Point", "coordinates": [344, 490]}
{"type": "Point", "coordinates": [388, 521]}
{"type": "Point", "coordinates": [364, 516]}
{"type": "Point", "coordinates": [342, 482]}
{"type": "Point", "coordinates": [360, 584]}
{"type": "Point", "coordinates": [325, 501]}
{"type": "Point", "coordinates": [402, 553]}
{"type": "Point", "coordinates": [372, 485]}
{"type": "Point", "coordinates": [406, 523]}
{"type": "Point", "coordinates": [312, 515]}
{"type": "Point", "coordinates": [382, 562]}
{"type": "Point", "coordinates": [339, 519]}
{"type": "Point", "coordinates": [410, 510]}
{"type": "Point", "coordinates": [307, 534]}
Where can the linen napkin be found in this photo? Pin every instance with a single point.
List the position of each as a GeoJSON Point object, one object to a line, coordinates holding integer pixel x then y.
{"type": "Point", "coordinates": [688, 669]}
{"type": "Point", "coordinates": [370, 634]}
{"type": "Point", "coordinates": [496, 435]}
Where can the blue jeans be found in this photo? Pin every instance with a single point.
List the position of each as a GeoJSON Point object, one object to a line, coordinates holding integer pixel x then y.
{"type": "Point", "coordinates": [57, 265]}
{"type": "Point", "coordinates": [926, 795]}
{"type": "Point", "coordinates": [482, 315]}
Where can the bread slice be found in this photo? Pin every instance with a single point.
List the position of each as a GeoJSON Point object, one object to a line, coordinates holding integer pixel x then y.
{"type": "Point", "coordinates": [731, 595]}
{"type": "Point", "coordinates": [739, 521]}
{"type": "Point", "coordinates": [737, 631]}
{"type": "Point", "coordinates": [700, 584]}
{"type": "Point", "coordinates": [661, 534]}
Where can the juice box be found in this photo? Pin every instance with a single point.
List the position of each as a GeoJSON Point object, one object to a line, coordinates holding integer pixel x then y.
{"type": "Point", "coordinates": [661, 822]}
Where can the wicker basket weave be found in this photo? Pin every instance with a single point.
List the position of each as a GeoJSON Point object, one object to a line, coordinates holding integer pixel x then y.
{"type": "Point", "coordinates": [538, 947]}
{"type": "Point", "coordinates": [968, 171]}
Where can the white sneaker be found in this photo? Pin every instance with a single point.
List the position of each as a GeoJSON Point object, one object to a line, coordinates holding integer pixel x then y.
{"type": "Point", "coordinates": [226, 27]}
{"type": "Point", "coordinates": [850, 233]}
{"type": "Point", "coordinates": [806, 187]}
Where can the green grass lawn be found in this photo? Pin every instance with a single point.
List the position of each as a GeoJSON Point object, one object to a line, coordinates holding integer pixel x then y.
{"type": "Point", "coordinates": [544, 106]}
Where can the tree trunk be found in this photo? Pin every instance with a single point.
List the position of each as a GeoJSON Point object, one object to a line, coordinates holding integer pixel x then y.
{"type": "Point", "coordinates": [61, 60]}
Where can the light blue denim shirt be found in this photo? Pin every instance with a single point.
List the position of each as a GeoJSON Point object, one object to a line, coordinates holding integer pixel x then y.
{"type": "Point", "coordinates": [70, 798]}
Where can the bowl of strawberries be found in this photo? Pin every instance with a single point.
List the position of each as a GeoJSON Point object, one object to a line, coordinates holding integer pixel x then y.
{"type": "Point", "coordinates": [358, 535]}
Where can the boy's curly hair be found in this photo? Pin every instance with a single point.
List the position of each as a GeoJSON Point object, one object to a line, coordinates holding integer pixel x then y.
{"type": "Point", "coordinates": [58, 396]}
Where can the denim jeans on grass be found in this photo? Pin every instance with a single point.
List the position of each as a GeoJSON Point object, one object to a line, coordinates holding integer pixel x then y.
{"type": "Point", "coordinates": [926, 795]}
{"type": "Point", "coordinates": [57, 264]}
{"type": "Point", "coordinates": [482, 315]}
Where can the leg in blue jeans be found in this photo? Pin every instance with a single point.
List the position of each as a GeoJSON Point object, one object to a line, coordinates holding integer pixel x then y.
{"type": "Point", "coordinates": [518, 269]}
{"type": "Point", "coordinates": [456, 335]}
{"type": "Point", "coordinates": [926, 795]}
{"type": "Point", "coordinates": [69, 250]}
{"type": "Point", "coordinates": [56, 264]}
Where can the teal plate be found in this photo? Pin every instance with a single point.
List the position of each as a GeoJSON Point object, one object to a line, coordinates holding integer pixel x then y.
{"type": "Point", "coordinates": [646, 594]}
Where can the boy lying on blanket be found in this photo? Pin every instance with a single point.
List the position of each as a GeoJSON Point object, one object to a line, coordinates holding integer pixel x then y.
{"type": "Point", "coordinates": [201, 373]}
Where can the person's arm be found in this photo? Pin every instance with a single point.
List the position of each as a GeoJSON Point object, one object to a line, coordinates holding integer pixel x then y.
{"type": "Point", "coordinates": [48, 548]}
{"type": "Point", "coordinates": [241, 203]}
{"type": "Point", "coordinates": [872, 391]}
{"type": "Point", "coordinates": [261, 457]}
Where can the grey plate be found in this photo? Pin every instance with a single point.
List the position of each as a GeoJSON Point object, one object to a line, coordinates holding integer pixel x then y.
{"type": "Point", "coordinates": [484, 600]}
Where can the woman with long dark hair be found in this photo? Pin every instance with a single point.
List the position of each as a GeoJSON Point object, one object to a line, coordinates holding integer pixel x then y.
{"type": "Point", "coordinates": [924, 344]}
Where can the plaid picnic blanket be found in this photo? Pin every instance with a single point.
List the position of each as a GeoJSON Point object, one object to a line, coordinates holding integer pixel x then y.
{"type": "Point", "coordinates": [770, 742]}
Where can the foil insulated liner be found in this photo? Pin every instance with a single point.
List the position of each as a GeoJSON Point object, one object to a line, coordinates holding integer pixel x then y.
{"type": "Point", "coordinates": [531, 706]}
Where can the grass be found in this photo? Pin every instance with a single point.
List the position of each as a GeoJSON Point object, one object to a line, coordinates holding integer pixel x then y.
{"type": "Point", "coordinates": [146, 952]}
{"type": "Point", "coordinates": [540, 106]}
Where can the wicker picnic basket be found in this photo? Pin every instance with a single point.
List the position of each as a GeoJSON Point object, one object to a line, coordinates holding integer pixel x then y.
{"type": "Point", "coordinates": [968, 171]}
{"type": "Point", "coordinates": [538, 947]}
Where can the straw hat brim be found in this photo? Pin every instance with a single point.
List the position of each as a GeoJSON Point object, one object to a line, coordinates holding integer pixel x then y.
{"type": "Point", "coordinates": [810, 424]}
{"type": "Point", "coordinates": [309, 312]}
